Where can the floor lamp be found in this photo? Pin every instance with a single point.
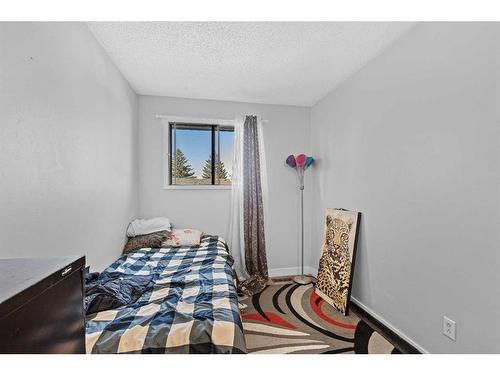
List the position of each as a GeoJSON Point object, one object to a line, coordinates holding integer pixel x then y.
{"type": "Point", "coordinates": [300, 163]}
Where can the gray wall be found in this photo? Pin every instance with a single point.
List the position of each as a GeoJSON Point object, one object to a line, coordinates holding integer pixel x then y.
{"type": "Point", "coordinates": [286, 132]}
{"type": "Point", "coordinates": [68, 141]}
{"type": "Point", "coordinates": [412, 141]}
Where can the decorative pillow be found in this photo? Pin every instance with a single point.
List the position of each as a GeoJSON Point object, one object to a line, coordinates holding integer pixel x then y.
{"type": "Point", "coordinates": [153, 240]}
{"type": "Point", "coordinates": [183, 237]}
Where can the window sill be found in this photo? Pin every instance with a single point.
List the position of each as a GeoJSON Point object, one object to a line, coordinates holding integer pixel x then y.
{"type": "Point", "coordinates": [197, 187]}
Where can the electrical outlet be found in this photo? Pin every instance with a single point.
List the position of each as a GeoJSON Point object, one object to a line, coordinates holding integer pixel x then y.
{"type": "Point", "coordinates": [449, 327]}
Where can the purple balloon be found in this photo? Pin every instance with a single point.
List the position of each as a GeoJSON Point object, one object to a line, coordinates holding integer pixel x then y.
{"type": "Point", "coordinates": [290, 161]}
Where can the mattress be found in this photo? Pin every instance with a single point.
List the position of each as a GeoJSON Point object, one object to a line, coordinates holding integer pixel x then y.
{"type": "Point", "coordinates": [192, 308]}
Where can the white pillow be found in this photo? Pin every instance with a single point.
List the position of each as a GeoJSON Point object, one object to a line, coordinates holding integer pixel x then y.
{"type": "Point", "coordinates": [145, 226]}
{"type": "Point", "coordinates": [183, 237]}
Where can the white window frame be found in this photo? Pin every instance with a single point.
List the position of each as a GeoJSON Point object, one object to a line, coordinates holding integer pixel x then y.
{"type": "Point", "coordinates": [166, 120]}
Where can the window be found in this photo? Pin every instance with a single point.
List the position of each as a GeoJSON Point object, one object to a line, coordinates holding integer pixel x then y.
{"type": "Point", "coordinates": [199, 154]}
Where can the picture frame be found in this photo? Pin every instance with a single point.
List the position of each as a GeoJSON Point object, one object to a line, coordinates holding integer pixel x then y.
{"type": "Point", "coordinates": [338, 256]}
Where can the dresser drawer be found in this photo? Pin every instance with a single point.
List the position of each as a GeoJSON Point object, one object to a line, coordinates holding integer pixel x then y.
{"type": "Point", "coordinates": [47, 316]}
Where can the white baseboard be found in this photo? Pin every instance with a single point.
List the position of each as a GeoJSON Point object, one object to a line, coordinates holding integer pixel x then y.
{"type": "Point", "coordinates": [292, 271]}
{"type": "Point", "coordinates": [390, 326]}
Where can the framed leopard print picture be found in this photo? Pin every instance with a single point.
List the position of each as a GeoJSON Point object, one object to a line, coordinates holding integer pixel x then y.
{"type": "Point", "coordinates": [338, 253]}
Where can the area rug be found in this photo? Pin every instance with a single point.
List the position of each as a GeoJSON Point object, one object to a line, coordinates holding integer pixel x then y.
{"type": "Point", "coordinates": [292, 318]}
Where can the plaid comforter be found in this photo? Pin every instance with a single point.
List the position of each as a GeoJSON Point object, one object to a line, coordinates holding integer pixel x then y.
{"type": "Point", "coordinates": [193, 307]}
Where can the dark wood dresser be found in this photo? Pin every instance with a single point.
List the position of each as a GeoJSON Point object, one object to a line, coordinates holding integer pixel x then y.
{"type": "Point", "coordinates": [41, 305]}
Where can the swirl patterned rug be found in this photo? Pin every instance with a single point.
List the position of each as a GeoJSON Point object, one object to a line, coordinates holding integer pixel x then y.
{"type": "Point", "coordinates": [291, 318]}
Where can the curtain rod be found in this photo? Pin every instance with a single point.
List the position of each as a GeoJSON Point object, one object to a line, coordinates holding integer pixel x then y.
{"type": "Point", "coordinates": [198, 119]}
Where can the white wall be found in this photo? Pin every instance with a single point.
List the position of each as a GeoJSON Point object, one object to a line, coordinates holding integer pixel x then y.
{"type": "Point", "coordinates": [412, 141]}
{"type": "Point", "coordinates": [208, 210]}
{"type": "Point", "coordinates": [68, 161]}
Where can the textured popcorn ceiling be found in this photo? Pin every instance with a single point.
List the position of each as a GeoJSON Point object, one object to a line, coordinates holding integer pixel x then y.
{"type": "Point", "coordinates": [261, 62]}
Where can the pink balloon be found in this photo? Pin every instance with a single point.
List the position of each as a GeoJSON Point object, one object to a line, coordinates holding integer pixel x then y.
{"type": "Point", "coordinates": [300, 160]}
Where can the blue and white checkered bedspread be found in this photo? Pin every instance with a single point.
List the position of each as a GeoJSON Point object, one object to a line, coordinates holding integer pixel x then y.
{"type": "Point", "coordinates": [193, 307]}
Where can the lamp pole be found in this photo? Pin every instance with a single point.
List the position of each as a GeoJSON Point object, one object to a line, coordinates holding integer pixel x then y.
{"type": "Point", "coordinates": [302, 279]}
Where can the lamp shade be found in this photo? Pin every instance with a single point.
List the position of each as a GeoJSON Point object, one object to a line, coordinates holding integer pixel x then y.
{"type": "Point", "coordinates": [300, 160]}
{"type": "Point", "coordinates": [290, 161]}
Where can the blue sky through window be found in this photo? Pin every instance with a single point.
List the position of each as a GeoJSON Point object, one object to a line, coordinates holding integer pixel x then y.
{"type": "Point", "coordinates": [197, 147]}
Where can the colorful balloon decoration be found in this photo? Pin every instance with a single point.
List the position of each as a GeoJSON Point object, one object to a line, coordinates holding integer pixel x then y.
{"type": "Point", "coordinates": [300, 163]}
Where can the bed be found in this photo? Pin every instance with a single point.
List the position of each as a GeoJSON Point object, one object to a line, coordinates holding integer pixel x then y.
{"type": "Point", "coordinates": [192, 308]}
